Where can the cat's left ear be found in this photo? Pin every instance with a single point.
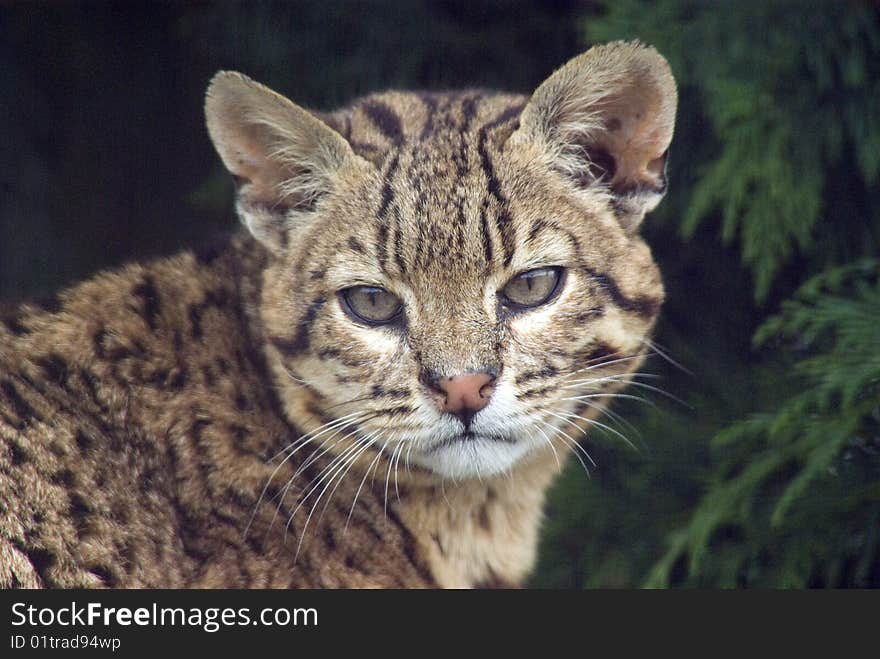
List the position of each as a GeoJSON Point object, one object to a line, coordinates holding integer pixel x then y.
{"type": "Point", "coordinates": [606, 119]}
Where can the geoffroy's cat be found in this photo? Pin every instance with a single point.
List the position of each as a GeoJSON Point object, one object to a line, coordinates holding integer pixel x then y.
{"type": "Point", "coordinates": [375, 382]}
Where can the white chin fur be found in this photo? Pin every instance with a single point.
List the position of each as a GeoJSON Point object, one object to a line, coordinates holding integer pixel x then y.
{"type": "Point", "coordinates": [472, 458]}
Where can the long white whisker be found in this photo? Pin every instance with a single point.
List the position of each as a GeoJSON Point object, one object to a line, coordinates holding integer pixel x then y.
{"type": "Point", "coordinates": [665, 355]}
{"type": "Point", "coordinates": [370, 468]}
{"type": "Point", "coordinates": [569, 437]}
{"type": "Point", "coordinates": [550, 444]}
{"type": "Point", "coordinates": [596, 423]}
{"type": "Point", "coordinates": [342, 469]}
{"type": "Point", "coordinates": [302, 441]}
{"type": "Point", "coordinates": [574, 445]}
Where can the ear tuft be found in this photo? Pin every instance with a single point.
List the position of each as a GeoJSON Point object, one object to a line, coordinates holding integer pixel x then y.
{"type": "Point", "coordinates": [282, 157]}
{"type": "Point", "coordinates": [606, 118]}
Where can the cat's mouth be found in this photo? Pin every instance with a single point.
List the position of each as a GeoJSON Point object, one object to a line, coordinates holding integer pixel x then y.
{"type": "Point", "coordinates": [468, 437]}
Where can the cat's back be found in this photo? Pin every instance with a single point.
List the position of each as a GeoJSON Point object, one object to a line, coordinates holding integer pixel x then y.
{"type": "Point", "coordinates": [85, 471]}
{"type": "Point", "coordinates": [137, 430]}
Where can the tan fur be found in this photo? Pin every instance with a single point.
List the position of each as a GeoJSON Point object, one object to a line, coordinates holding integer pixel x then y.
{"type": "Point", "coordinates": [218, 419]}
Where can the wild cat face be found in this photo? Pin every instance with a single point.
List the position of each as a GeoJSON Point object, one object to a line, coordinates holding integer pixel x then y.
{"type": "Point", "coordinates": [456, 281]}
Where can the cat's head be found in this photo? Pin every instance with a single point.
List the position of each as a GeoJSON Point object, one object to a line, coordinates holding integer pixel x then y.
{"type": "Point", "coordinates": [456, 280]}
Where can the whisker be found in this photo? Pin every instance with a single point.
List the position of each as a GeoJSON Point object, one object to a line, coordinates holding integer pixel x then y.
{"type": "Point", "coordinates": [603, 364]}
{"type": "Point", "coordinates": [611, 395]}
{"type": "Point", "coordinates": [388, 475]}
{"type": "Point", "coordinates": [302, 441]}
{"type": "Point", "coordinates": [352, 455]}
{"type": "Point", "coordinates": [599, 424]}
{"type": "Point", "coordinates": [665, 355]}
{"type": "Point", "coordinates": [558, 433]}
{"type": "Point", "coordinates": [553, 448]}
{"type": "Point", "coordinates": [614, 416]}
{"type": "Point", "coordinates": [369, 442]}
{"type": "Point", "coordinates": [370, 468]}
{"type": "Point", "coordinates": [310, 434]}
{"type": "Point", "coordinates": [570, 438]}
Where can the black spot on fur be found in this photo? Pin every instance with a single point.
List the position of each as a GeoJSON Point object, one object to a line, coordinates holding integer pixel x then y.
{"type": "Point", "coordinates": [79, 508]}
{"type": "Point", "coordinates": [42, 561]}
{"type": "Point", "coordinates": [65, 478]}
{"type": "Point", "coordinates": [18, 455]}
{"type": "Point", "coordinates": [54, 367]}
{"type": "Point", "coordinates": [13, 324]}
{"type": "Point", "coordinates": [91, 386]}
{"type": "Point", "coordinates": [208, 374]}
{"type": "Point", "coordinates": [178, 382]}
{"type": "Point", "coordinates": [601, 352]}
{"type": "Point", "coordinates": [104, 574]}
{"type": "Point", "coordinates": [548, 371]}
{"type": "Point", "coordinates": [19, 405]}
{"type": "Point", "coordinates": [197, 427]}
{"type": "Point", "coordinates": [82, 441]}
{"type": "Point", "coordinates": [49, 303]}
{"type": "Point", "coordinates": [195, 321]}
{"type": "Point", "coordinates": [149, 296]}
{"type": "Point", "coordinates": [329, 538]}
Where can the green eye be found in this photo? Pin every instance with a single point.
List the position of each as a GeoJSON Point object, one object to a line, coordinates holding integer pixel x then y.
{"type": "Point", "coordinates": [370, 304]}
{"type": "Point", "coordinates": [532, 288]}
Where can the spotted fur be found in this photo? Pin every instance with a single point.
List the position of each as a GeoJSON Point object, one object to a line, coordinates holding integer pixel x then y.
{"type": "Point", "coordinates": [218, 419]}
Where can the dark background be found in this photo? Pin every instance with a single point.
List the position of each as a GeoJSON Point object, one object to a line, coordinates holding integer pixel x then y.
{"type": "Point", "coordinates": [765, 471]}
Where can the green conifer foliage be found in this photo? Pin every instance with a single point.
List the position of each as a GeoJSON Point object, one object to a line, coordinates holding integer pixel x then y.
{"type": "Point", "coordinates": [771, 476]}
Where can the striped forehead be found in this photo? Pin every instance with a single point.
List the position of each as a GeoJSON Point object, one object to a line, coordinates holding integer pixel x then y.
{"type": "Point", "coordinates": [440, 209]}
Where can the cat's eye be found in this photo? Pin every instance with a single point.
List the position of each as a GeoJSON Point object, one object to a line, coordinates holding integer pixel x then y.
{"type": "Point", "coordinates": [532, 288]}
{"type": "Point", "coordinates": [370, 304]}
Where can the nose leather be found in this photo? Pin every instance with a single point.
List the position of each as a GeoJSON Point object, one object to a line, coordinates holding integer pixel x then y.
{"type": "Point", "coordinates": [466, 394]}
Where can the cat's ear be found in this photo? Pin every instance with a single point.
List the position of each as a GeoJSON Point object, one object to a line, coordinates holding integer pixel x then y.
{"type": "Point", "coordinates": [606, 119]}
{"type": "Point", "coordinates": [282, 157]}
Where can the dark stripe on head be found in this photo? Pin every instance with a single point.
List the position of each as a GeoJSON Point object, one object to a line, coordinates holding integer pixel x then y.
{"type": "Point", "coordinates": [536, 228]}
{"type": "Point", "coordinates": [484, 229]}
{"type": "Point", "coordinates": [385, 119]}
{"type": "Point", "coordinates": [430, 102]}
{"type": "Point", "coordinates": [642, 305]}
{"type": "Point", "coordinates": [505, 224]}
{"type": "Point", "coordinates": [382, 214]}
{"type": "Point", "coordinates": [398, 244]}
{"type": "Point", "coordinates": [300, 340]}
{"type": "Point", "coordinates": [379, 391]}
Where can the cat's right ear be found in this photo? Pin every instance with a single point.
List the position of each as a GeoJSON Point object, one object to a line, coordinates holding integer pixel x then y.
{"type": "Point", "coordinates": [283, 158]}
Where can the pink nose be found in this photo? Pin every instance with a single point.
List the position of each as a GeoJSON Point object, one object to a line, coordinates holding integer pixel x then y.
{"type": "Point", "coordinates": [466, 393]}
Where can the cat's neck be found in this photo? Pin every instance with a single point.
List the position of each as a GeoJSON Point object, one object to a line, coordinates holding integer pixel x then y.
{"type": "Point", "coordinates": [481, 533]}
